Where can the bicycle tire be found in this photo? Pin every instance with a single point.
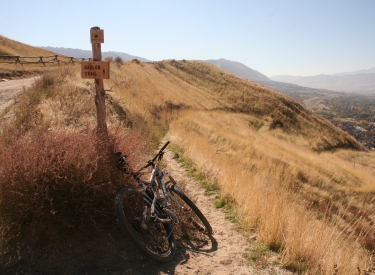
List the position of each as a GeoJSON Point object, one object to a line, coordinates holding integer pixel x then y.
{"type": "Point", "coordinates": [153, 238]}
{"type": "Point", "coordinates": [188, 209]}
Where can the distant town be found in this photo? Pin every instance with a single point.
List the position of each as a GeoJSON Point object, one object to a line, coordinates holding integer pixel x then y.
{"type": "Point", "coordinates": [354, 113]}
{"type": "Point", "coordinates": [363, 131]}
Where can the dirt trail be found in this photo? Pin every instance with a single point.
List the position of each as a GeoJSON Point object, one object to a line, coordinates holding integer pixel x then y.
{"type": "Point", "coordinates": [226, 256]}
{"type": "Point", "coordinates": [11, 89]}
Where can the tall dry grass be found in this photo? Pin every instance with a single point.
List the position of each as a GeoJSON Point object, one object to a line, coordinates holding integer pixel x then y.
{"type": "Point", "coordinates": [157, 91]}
{"type": "Point", "coordinates": [267, 153]}
{"type": "Point", "coordinates": [270, 179]}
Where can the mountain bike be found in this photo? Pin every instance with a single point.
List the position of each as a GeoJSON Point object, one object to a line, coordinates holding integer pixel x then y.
{"type": "Point", "coordinates": [148, 212]}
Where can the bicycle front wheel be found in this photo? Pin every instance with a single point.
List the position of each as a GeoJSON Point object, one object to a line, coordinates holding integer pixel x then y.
{"type": "Point", "coordinates": [153, 238]}
{"type": "Point", "coordinates": [187, 210]}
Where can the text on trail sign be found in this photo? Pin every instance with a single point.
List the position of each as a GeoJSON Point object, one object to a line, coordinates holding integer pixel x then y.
{"type": "Point", "coordinates": [95, 69]}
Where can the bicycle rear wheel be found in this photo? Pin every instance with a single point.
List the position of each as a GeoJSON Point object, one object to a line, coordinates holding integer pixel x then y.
{"type": "Point", "coordinates": [187, 210]}
{"type": "Point", "coordinates": [153, 238]}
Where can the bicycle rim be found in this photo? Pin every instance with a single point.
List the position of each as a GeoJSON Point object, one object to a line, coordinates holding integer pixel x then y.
{"type": "Point", "coordinates": [152, 237]}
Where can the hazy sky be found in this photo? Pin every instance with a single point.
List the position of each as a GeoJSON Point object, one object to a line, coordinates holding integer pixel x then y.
{"type": "Point", "coordinates": [304, 37]}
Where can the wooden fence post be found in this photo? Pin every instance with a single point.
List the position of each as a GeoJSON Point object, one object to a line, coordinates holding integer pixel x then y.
{"type": "Point", "coordinates": [99, 86]}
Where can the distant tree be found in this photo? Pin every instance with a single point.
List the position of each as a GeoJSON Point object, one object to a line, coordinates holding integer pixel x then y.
{"type": "Point", "coordinates": [109, 59]}
{"type": "Point", "coordinates": [136, 61]}
{"type": "Point", "coordinates": [118, 61]}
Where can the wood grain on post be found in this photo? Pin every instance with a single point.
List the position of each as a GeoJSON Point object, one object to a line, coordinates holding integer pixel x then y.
{"type": "Point", "coordinates": [99, 86]}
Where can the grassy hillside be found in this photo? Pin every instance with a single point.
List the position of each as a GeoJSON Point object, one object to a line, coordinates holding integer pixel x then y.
{"type": "Point", "coordinates": [278, 161]}
{"type": "Point", "coordinates": [15, 48]}
{"type": "Point", "coordinates": [12, 47]}
{"type": "Point", "coordinates": [239, 69]}
{"type": "Point", "coordinates": [302, 184]}
{"type": "Point", "coordinates": [197, 85]}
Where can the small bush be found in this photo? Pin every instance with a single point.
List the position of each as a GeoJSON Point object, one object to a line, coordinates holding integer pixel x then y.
{"type": "Point", "coordinates": [119, 61]}
{"type": "Point", "coordinates": [52, 181]}
{"type": "Point", "coordinates": [109, 59]}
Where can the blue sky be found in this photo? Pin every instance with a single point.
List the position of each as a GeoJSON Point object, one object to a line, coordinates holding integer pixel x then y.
{"type": "Point", "coordinates": [275, 37]}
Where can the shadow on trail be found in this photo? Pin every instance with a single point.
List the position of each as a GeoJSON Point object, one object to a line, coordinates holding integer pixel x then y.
{"type": "Point", "coordinates": [201, 247]}
{"type": "Point", "coordinates": [106, 252]}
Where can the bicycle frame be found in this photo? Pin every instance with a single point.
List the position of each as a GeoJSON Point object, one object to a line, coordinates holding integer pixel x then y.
{"type": "Point", "coordinates": [146, 212]}
{"type": "Point", "coordinates": [156, 190]}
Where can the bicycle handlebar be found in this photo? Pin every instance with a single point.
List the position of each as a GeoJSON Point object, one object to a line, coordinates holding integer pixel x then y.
{"type": "Point", "coordinates": [151, 161]}
{"type": "Point", "coordinates": [160, 151]}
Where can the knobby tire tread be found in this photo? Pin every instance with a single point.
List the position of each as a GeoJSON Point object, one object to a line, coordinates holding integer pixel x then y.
{"type": "Point", "coordinates": [130, 230]}
{"type": "Point", "coordinates": [196, 210]}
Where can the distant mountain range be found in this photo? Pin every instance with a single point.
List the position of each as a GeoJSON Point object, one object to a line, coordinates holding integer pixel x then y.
{"type": "Point", "coordinates": [369, 71]}
{"type": "Point", "coordinates": [357, 81]}
{"type": "Point", "coordinates": [233, 67]}
{"type": "Point", "coordinates": [77, 53]}
{"type": "Point", "coordinates": [239, 69]}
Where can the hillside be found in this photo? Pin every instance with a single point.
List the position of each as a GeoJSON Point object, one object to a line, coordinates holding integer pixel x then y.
{"type": "Point", "coordinates": [15, 48]}
{"type": "Point", "coordinates": [239, 69]}
{"type": "Point", "coordinates": [198, 85]}
{"type": "Point", "coordinates": [12, 47]}
{"type": "Point", "coordinates": [298, 185]}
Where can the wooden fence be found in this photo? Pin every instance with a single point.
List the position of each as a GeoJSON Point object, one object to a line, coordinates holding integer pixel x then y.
{"type": "Point", "coordinates": [15, 59]}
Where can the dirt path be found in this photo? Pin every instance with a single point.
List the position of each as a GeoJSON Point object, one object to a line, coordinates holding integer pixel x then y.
{"type": "Point", "coordinates": [226, 256]}
{"type": "Point", "coordinates": [11, 89]}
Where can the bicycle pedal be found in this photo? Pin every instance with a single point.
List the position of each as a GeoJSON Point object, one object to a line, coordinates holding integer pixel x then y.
{"type": "Point", "coordinates": [144, 226]}
{"type": "Point", "coordinates": [162, 202]}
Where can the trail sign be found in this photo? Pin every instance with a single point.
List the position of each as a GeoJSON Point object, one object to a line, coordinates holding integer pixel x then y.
{"type": "Point", "coordinates": [96, 35]}
{"type": "Point", "coordinates": [95, 69]}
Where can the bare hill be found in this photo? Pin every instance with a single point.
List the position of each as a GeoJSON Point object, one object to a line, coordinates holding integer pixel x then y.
{"type": "Point", "coordinates": [12, 47]}
{"type": "Point", "coordinates": [198, 84]}
{"type": "Point", "coordinates": [239, 69]}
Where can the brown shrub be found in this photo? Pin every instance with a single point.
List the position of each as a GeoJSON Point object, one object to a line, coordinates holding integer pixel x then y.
{"type": "Point", "coordinates": [53, 181]}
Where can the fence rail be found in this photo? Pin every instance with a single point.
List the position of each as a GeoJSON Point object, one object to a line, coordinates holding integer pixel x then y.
{"type": "Point", "coordinates": [16, 59]}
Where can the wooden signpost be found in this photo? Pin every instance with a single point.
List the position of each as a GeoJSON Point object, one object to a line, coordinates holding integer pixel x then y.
{"type": "Point", "coordinates": [98, 70]}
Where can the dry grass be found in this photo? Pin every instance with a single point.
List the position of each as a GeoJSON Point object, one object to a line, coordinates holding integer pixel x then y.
{"type": "Point", "coordinates": [12, 47]}
{"type": "Point", "coordinates": [272, 180]}
{"type": "Point", "coordinates": [267, 153]}
{"type": "Point", "coordinates": [160, 90]}
{"type": "Point", "coordinates": [15, 48]}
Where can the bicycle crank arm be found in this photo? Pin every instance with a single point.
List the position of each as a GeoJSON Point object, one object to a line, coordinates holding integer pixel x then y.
{"type": "Point", "coordinates": [163, 220]}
